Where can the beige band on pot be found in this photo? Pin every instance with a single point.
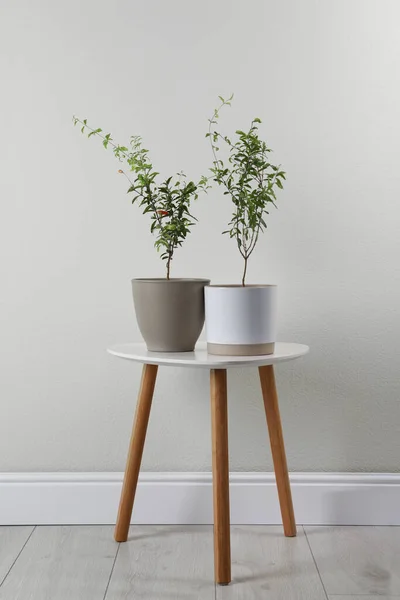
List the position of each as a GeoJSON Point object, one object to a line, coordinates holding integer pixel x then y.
{"type": "Point", "coordinates": [241, 349]}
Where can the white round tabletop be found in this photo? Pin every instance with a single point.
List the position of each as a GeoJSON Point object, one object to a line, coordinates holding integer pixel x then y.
{"type": "Point", "coordinates": [200, 357]}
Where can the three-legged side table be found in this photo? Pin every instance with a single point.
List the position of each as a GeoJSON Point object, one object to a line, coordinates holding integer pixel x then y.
{"type": "Point", "coordinates": [217, 366]}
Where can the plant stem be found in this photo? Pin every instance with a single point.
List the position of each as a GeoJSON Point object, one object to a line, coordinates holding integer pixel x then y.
{"type": "Point", "coordinates": [244, 271]}
{"type": "Point", "coordinates": [169, 265]}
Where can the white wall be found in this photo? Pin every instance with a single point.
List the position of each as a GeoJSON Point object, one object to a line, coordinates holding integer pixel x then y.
{"type": "Point", "coordinates": [325, 78]}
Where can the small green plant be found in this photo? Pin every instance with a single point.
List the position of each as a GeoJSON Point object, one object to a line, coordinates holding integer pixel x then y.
{"type": "Point", "coordinates": [168, 203]}
{"type": "Point", "coordinates": [249, 179]}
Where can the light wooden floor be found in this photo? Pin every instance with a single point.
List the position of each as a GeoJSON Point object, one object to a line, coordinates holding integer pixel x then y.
{"type": "Point", "coordinates": [171, 562]}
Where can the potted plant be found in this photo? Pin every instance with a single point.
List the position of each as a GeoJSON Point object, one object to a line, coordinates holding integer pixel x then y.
{"type": "Point", "coordinates": [241, 319]}
{"type": "Point", "coordinates": [169, 311]}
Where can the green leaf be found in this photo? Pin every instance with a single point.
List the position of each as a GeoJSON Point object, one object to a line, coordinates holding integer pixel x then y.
{"type": "Point", "coordinates": [106, 140]}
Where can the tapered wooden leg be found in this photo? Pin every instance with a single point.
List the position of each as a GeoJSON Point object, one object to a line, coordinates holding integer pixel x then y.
{"type": "Point", "coordinates": [270, 396]}
{"type": "Point", "coordinates": [135, 452]}
{"type": "Point", "coordinates": [220, 458]}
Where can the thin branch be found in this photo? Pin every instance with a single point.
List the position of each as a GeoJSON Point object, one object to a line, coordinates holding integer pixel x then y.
{"type": "Point", "coordinates": [103, 137]}
{"type": "Point", "coordinates": [217, 161]}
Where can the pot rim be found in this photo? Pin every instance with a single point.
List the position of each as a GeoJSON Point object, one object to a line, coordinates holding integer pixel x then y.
{"type": "Point", "coordinates": [172, 280]}
{"type": "Point", "coordinates": [239, 286]}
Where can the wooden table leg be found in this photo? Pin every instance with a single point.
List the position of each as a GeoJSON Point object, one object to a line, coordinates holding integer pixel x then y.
{"type": "Point", "coordinates": [135, 452]}
{"type": "Point", "coordinates": [270, 396]}
{"type": "Point", "coordinates": [220, 458]}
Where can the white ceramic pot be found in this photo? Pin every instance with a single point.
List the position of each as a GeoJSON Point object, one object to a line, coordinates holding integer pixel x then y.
{"type": "Point", "coordinates": [241, 320]}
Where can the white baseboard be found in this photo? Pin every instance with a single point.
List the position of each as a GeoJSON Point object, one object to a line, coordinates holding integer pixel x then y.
{"type": "Point", "coordinates": [186, 498]}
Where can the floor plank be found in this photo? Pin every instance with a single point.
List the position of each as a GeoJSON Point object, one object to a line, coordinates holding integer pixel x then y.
{"type": "Point", "coordinates": [167, 562]}
{"type": "Point", "coordinates": [12, 540]}
{"type": "Point", "coordinates": [266, 565]}
{"type": "Point", "coordinates": [170, 562]}
{"type": "Point", "coordinates": [357, 560]}
{"type": "Point", "coordinates": [62, 563]}
{"type": "Point", "coordinates": [362, 597]}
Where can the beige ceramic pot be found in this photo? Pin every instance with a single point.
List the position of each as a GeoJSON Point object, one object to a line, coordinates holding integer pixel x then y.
{"type": "Point", "coordinates": [169, 312]}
